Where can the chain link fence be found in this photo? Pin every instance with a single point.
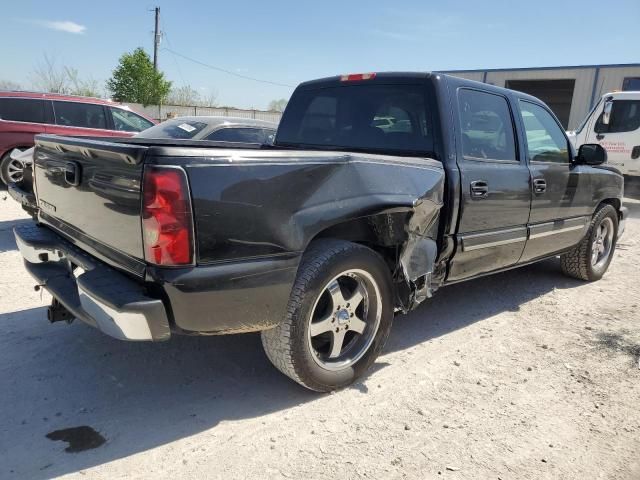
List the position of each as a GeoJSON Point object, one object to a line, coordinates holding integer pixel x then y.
{"type": "Point", "coordinates": [162, 112]}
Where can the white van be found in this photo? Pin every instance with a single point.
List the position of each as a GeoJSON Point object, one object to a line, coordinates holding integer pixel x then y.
{"type": "Point", "coordinates": [614, 123]}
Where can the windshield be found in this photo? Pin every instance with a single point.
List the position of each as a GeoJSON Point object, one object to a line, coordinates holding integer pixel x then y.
{"type": "Point", "coordinates": [177, 128]}
{"type": "Point", "coordinates": [385, 118]}
{"type": "Point", "coordinates": [586, 119]}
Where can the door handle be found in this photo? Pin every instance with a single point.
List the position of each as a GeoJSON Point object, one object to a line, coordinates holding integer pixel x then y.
{"type": "Point", "coordinates": [539, 185]}
{"type": "Point", "coordinates": [479, 189]}
{"type": "Point", "coordinates": [599, 136]}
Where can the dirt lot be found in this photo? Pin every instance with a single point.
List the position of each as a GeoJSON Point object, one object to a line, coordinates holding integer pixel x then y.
{"type": "Point", "coordinates": [526, 374]}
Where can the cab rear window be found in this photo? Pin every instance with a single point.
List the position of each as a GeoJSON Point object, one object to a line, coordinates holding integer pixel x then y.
{"type": "Point", "coordinates": [385, 118]}
{"type": "Point", "coordinates": [180, 129]}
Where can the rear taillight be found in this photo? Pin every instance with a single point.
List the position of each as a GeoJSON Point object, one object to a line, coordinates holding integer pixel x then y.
{"type": "Point", "coordinates": [354, 77]}
{"type": "Point", "coordinates": [167, 224]}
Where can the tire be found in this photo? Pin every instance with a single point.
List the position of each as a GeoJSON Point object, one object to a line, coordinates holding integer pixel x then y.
{"type": "Point", "coordinates": [590, 259]}
{"type": "Point", "coordinates": [5, 175]}
{"type": "Point", "coordinates": [314, 359]}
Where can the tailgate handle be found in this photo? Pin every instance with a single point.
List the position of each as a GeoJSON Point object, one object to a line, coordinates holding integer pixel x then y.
{"type": "Point", "coordinates": [70, 170]}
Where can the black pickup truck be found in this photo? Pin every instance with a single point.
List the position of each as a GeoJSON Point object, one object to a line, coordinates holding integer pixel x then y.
{"type": "Point", "coordinates": [379, 189]}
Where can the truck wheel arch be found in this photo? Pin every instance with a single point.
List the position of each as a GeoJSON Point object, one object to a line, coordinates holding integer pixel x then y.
{"type": "Point", "coordinates": [410, 253]}
{"type": "Point", "coordinates": [614, 202]}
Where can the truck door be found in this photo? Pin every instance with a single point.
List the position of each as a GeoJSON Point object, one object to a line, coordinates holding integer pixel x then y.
{"type": "Point", "coordinates": [561, 195]}
{"type": "Point", "coordinates": [621, 136]}
{"type": "Point", "coordinates": [495, 193]}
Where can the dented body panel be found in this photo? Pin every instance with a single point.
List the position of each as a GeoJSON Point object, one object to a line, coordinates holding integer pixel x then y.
{"type": "Point", "coordinates": [257, 211]}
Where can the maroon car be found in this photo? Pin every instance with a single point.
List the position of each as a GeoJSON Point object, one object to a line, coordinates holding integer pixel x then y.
{"type": "Point", "coordinates": [25, 114]}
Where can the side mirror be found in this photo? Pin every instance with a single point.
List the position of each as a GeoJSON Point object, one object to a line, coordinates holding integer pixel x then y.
{"type": "Point", "coordinates": [606, 113]}
{"type": "Point", "coordinates": [591, 154]}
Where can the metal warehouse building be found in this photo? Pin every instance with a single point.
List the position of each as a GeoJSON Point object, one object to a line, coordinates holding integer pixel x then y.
{"type": "Point", "coordinates": [569, 91]}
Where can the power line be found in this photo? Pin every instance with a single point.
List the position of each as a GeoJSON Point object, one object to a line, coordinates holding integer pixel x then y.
{"type": "Point", "coordinates": [175, 60]}
{"type": "Point", "coordinates": [229, 72]}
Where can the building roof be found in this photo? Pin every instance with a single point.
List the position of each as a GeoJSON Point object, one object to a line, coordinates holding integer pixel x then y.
{"type": "Point", "coordinates": [568, 67]}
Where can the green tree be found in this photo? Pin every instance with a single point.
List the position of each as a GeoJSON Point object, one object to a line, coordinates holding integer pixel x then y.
{"type": "Point", "coordinates": [278, 105]}
{"type": "Point", "coordinates": [135, 80]}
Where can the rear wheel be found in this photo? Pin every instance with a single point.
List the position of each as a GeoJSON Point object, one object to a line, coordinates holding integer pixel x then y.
{"type": "Point", "coordinates": [11, 170]}
{"type": "Point", "coordinates": [590, 259]}
{"type": "Point", "coordinates": [338, 318]}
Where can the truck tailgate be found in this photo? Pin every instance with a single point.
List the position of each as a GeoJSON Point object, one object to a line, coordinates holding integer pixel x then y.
{"type": "Point", "coordinates": [89, 190]}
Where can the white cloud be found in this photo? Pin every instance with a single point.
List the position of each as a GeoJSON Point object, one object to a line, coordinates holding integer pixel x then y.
{"type": "Point", "coordinates": [62, 26]}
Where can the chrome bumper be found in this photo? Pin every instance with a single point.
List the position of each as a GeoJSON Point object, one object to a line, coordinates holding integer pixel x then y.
{"type": "Point", "coordinates": [89, 289]}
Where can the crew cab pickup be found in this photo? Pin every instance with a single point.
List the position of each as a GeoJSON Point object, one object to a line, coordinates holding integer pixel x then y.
{"type": "Point", "coordinates": [379, 190]}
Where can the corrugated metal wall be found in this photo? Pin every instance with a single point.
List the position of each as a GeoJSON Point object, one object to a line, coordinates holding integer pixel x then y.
{"type": "Point", "coordinates": [159, 112]}
{"type": "Point", "coordinates": [581, 93]}
{"type": "Point", "coordinates": [476, 76]}
{"type": "Point", "coordinates": [611, 78]}
{"type": "Point", "coordinates": [608, 79]}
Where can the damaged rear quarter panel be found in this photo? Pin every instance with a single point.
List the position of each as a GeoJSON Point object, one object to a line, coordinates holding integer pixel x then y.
{"type": "Point", "coordinates": [253, 205]}
{"type": "Point", "coordinates": [262, 205]}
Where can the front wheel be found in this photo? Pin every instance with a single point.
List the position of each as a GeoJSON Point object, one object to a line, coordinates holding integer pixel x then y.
{"type": "Point", "coordinates": [338, 318]}
{"type": "Point", "coordinates": [590, 259]}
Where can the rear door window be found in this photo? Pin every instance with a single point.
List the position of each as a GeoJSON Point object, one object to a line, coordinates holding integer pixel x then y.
{"type": "Point", "coordinates": [486, 126]}
{"type": "Point", "coordinates": [22, 110]}
{"type": "Point", "coordinates": [384, 118]}
{"type": "Point", "coordinates": [82, 115]}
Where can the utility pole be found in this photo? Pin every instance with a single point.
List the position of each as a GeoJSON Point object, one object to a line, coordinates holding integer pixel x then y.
{"type": "Point", "coordinates": [156, 40]}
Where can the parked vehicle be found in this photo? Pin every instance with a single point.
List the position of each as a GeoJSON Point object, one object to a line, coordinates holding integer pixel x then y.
{"type": "Point", "coordinates": [22, 192]}
{"type": "Point", "coordinates": [215, 129]}
{"type": "Point", "coordinates": [317, 240]}
{"type": "Point", "coordinates": [26, 114]}
{"type": "Point", "coordinates": [227, 129]}
{"type": "Point", "coordinates": [614, 123]}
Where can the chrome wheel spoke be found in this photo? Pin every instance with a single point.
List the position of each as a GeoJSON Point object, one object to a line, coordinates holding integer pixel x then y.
{"type": "Point", "coordinates": [15, 170]}
{"type": "Point", "coordinates": [357, 325]}
{"type": "Point", "coordinates": [336, 295]}
{"type": "Point", "coordinates": [337, 340]}
{"type": "Point", "coordinates": [602, 245]}
{"type": "Point", "coordinates": [356, 298]}
{"type": "Point", "coordinates": [321, 326]}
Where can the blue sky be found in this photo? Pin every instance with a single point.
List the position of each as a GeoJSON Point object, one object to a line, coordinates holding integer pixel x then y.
{"type": "Point", "coordinates": [291, 41]}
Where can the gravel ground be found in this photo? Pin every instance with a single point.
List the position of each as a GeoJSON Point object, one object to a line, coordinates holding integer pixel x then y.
{"type": "Point", "coordinates": [522, 375]}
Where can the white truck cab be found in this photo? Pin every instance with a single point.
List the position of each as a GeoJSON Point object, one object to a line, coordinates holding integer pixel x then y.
{"type": "Point", "coordinates": [614, 123]}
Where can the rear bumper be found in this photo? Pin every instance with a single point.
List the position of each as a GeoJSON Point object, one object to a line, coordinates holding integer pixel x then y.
{"type": "Point", "coordinates": [223, 298]}
{"type": "Point", "coordinates": [622, 222]}
{"type": "Point", "coordinates": [93, 292]}
{"type": "Point", "coordinates": [23, 197]}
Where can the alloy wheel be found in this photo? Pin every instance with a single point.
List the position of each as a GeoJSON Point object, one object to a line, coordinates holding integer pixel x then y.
{"type": "Point", "coordinates": [344, 319]}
